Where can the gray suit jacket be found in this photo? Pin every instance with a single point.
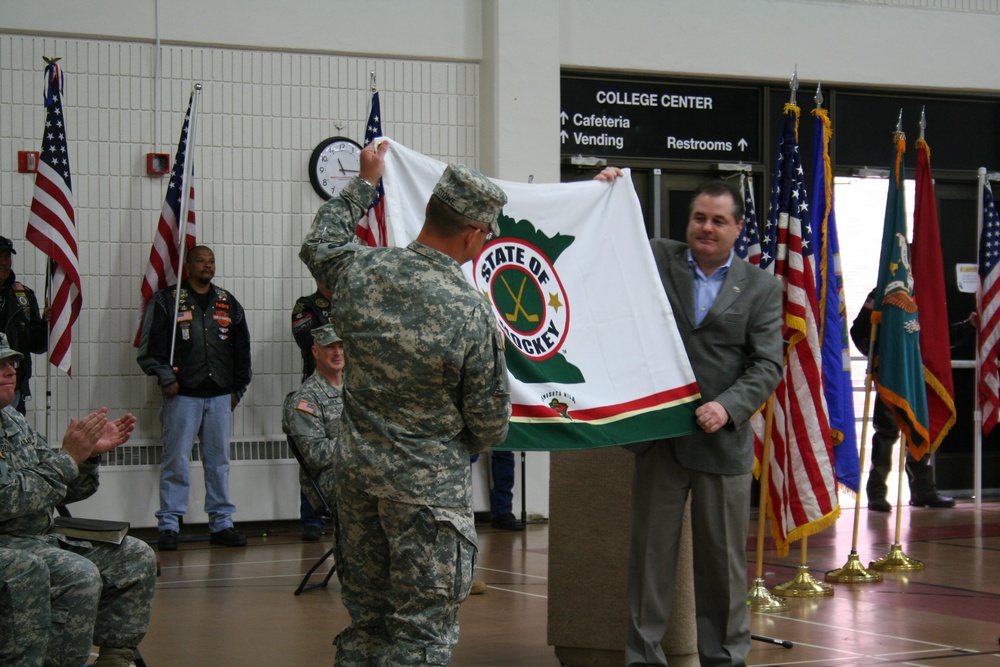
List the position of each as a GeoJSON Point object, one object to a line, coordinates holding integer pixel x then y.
{"type": "Point", "coordinates": [736, 354]}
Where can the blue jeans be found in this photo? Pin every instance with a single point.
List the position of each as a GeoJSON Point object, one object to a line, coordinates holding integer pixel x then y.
{"type": "Point", "coordinates": [307, 515]}
{"type": "Point", "coordinates": [183, 418]}
{"type": "Point", "coordinates": [502, 492]}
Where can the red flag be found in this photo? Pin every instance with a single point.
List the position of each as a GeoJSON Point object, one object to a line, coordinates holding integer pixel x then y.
{"type": "Point", "coordinates": [989, 312]}
{"type": "Point", "coordinates": [52, 224]}
{"type": "Point", "coordinates": [164, 256]}
{"type": "Point", "coordinates": [928, 293]}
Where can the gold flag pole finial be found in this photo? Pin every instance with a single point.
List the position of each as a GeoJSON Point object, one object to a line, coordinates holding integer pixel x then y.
{"type": "Point", "coordinates": [923, 122]}
{"type": "Point", "coordinates": [819, 96]}
{"type": "Point", "coordinates": [899, 135]}
{"type": "Point", "coordinates": [51, 61]}
{"type": "Point", "coordinates": [373, 80]}
{"type": "Point", "coordinates": [793, 84]}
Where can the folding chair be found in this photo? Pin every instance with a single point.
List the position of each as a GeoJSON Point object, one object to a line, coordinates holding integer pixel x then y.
{"type": "Point", "coordinates": [326, 511]}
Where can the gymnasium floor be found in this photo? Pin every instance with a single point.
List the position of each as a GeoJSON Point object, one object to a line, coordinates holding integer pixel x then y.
{"type": "Point", "coordinates": [224, 606]}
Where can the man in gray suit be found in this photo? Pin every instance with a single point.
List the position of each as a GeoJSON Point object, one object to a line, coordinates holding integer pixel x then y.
{"type": "Point", "coordinates": [729, 317]}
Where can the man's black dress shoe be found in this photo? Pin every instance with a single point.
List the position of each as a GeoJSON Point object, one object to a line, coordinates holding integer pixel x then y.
{"type": "Point", "coordinates": [937, 500]}
{"type": "Point", "coordinates": [507, 522]}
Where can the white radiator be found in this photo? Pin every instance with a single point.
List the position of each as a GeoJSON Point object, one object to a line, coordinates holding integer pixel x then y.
{"type": "Point", "coordinates": [263, 484]}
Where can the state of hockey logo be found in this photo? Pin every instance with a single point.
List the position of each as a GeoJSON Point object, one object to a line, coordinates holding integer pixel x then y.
{"type": "Point", "coordinates": [529, 301]}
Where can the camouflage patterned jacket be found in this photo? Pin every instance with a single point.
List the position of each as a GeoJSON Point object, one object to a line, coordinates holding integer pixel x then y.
{"type": "Point", "coordinates": [426, 381]}
{"type": "Point", "coordinates": [311, 415]}
{"type": "Point", "coordinates": [34, 478]}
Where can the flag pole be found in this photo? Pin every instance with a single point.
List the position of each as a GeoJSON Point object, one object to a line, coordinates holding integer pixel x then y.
{"type": "Point", "coordinates": [803, 584]}
{"type": "Point", "coordinates": [853, 572]}
{"type": "Point", "coordinates": [48, 299]}
{"type": "Point", "coordinates": [977, 442]}
{"type": "Point", "coordinates": [759, 598]}
{"type": "Point", "coordinates": [185, 180]}
{"type": "Point", "coordinates": [48, 366]}
{"type": "Point", "coordinates": [371, 96]}
{"type": "Point", "coordinates": [896, 560]}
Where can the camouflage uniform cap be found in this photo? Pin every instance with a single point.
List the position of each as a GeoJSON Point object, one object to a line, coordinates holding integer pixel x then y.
{"type": "Point", "coordinates": [6, 350]}
{"type": "Point", "coordinates": [325, 335]}
{"type": "Point", "coordinates": [471, 194]}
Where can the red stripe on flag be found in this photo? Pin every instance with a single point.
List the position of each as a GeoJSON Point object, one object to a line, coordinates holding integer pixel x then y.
{"type": "Point", "coordinates": [989, 351]}
{"type": "Point", "coordinates": [606, 411]}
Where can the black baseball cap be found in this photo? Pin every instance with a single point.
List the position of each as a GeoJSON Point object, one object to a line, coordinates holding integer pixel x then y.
{"type": "Point", "coordinates": [6, 245]}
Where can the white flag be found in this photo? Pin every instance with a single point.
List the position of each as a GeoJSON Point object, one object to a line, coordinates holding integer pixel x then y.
{"type": "Point", "coordinates": [591, 343]}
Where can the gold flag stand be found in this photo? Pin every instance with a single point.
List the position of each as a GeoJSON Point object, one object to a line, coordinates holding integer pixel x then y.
{"type": "Point", "coordinates": [804, 585]}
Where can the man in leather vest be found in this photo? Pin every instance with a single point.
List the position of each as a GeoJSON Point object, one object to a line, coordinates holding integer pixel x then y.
{"type": "Point", "coordinates": [201, 388]}
{"type": "Point", "coordinates": [26, 330]}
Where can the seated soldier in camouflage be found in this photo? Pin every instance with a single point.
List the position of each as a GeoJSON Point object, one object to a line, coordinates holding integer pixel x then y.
{"type": "Point", "coordinates": [24, 609]}
{"type": "Point", "coordinates": [312, 412]}
{"type": "Point", "coordinates": [102, 593]}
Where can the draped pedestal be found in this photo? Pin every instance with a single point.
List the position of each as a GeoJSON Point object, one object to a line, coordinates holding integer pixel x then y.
{"type": "Point", "coordinates": [590, 513]}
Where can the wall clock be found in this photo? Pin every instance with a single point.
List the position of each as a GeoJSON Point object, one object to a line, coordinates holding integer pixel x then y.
{"type": "Point", "coordinates": [332, 164]}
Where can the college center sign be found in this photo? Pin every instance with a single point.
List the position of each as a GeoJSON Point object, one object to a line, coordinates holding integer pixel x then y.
{"type": "Point", "coordinates": [646, 119]}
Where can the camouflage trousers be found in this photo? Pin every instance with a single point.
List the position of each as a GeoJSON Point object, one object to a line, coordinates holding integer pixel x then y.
{"type": "Point", "coordinates": [404, 570]}
{"type": "Point", "coordinates": [101, 593]}
{"type": "Point", "coordinates": [24, 609]}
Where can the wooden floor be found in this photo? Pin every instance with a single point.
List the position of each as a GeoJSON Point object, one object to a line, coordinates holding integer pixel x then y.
{"type": "Point", "coordinates": [225, 606]}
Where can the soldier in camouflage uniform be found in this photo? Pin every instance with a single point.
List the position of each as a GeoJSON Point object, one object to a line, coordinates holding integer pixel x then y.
{"type": "Point", "coordinates": [425, 387]}
{"type": "Point", "coordinates": [310, 311]}
{"type": "Point", "coordinates": [102, 593]}
{"type": "Point", "coordinates": [312, 412]}
{"type": "Point", "coordinates": [24, 609]}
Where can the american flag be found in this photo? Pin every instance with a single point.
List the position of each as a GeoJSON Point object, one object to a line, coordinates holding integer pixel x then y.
{"type": "Point", "coordinates": [52, 224]}
{"type": "Point", "coordinates": [371, 228]}
{"type": "Point", "coordinates": [802, 488]}
{"type": "Point", "coordinates": [164, 256]}
{"type": "Point", "coordinates": [989, 312]}
{"type": "Point", "coordinates": [748, 245]}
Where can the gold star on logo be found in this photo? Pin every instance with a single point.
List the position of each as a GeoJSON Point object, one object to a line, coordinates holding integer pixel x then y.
{"type": "Point", "coordinates": [554, 302]}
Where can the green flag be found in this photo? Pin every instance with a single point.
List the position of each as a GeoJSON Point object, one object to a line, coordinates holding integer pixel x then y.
{"type": "Point", "coordinates": [897, 367]}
